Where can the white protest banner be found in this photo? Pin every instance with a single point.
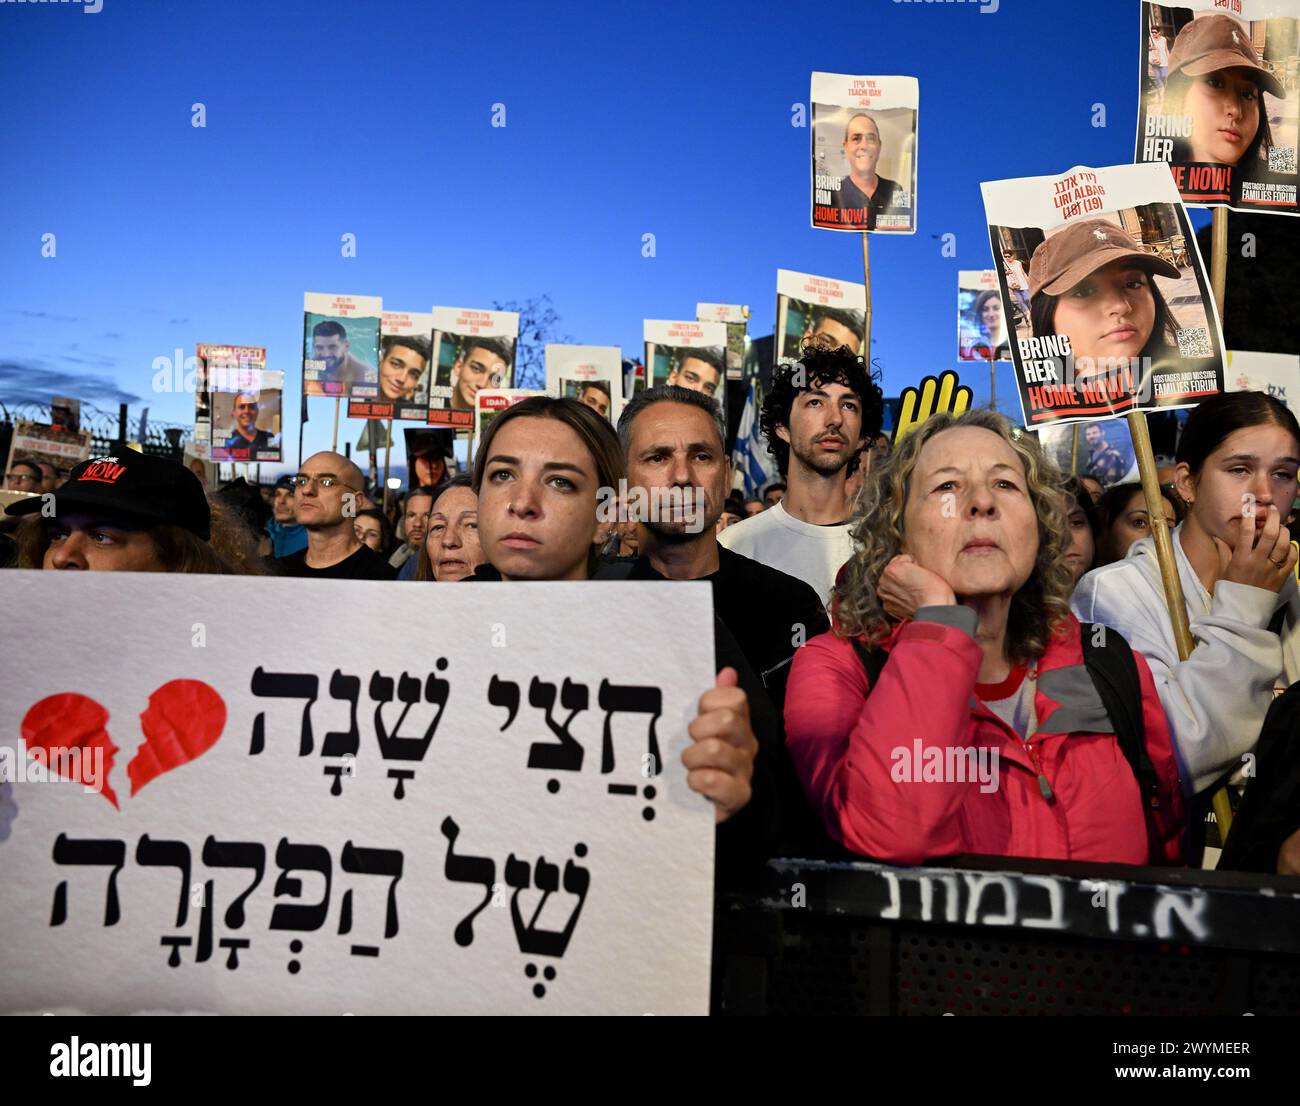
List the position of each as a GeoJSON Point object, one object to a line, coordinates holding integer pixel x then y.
{"type": "Point", "coordinates": [1105, 292]}
{"type": "Point", "coordinates": [864, 144]}
{"type": "Point", "coordinates": [293, 810]}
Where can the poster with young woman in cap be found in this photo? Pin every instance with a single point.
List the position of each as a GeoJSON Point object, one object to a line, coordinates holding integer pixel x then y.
{"type": "Point", "coordinates": [1120, 316]}
{"type": "Point", "coordinates": [1217, 101]}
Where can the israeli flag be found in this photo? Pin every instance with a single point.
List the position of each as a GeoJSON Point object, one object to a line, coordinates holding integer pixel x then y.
{"type": "Point", "coordinates": [753, 465]}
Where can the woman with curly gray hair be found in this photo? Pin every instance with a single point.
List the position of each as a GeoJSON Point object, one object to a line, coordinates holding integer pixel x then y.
{"type": "Point", "coordinates": [949, 710]}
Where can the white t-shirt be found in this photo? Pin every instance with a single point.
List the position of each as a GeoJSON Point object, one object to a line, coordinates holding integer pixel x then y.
{"type": "Point", "coordinates": [810, 553]}
{"type": "Point", "coordinates": [1160, 47]}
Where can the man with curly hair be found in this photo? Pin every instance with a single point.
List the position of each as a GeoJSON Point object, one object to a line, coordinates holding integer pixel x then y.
{"type": "Point", "coordinates": [816, 416]}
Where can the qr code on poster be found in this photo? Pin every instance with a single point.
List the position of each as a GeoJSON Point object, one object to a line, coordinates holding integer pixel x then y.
{"type": "Point", "coordinates": [1281, 159]}
{"type": "Point", "coordinates": [1194, 342]}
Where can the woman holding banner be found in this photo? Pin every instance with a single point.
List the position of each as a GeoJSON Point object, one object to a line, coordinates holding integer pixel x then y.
{"type": "Point", "coordinates": [948, 711]}
{"type": "Point", "coordinates": [539, 473]}
{"type": "Point", "coordinates": [1237, 463]}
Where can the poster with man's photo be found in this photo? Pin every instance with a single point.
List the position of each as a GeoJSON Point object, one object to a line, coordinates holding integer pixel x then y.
{"type": "Point", "coordinates": [472, 350]}
{"type": "Point", "coordinates": [405, 369]}
{"type": "Point", "coordinates": [735, 317]}
{"type": "Point", "coordinates": [490, 402]}
{"type": "Point", "coordinates": [864, 146]}
{"type": "Point", "coordinates": [688, 354]}
{"type": "Point", "coordinates": [1217, 101]}
{"type": "Point", "coordinates": [429, 456]}
{"type": "Point", "coordinates": [340, 354]}
{"type": "Point", "coordinates": [1102, 450]}
{"type": "Point", "coordinates": [1106, 294]}
{"type": "Point", "coordinates": [981, 322]}
{"type": "Point", "coordinates": [238, 404]}
{"type": "Point", "coordinates": [41, 444]}
{"type": "Point", "coordinates": [590, 374]}
{"type": "Point", "coordinates": [829, 312]}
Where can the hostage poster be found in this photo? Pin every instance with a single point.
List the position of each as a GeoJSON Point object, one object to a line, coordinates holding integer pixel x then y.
{"type": "Point", "coordinates": [590, 374]}
{"type": "Point", "coordinates": [1106, 294]}
{"type": "Point", "coordinates": [341, 345]}
{"type": "Point", "coordinates": [490, 402]}
{"type": "Point", "coordinates": [864, 144]}
{"type": "Point", "coordinates": [405, 341]}
{"type": "Point", "coordinates": [204, 820]}
{"type": "Point", "coordinates": [472, 349]}
{"type": "Point", "coordinates": [238, 404]}
{"type": "Point", "coordinates": [735, 317]}
{"type": "Point", "coordinates": [688, 354]}
{"type": "Point", "coordinates": [828, 312]}
{"type": "Point", "coordinates": [981, 320]}
{"type": "Point", "coordinates": [1217, 100]}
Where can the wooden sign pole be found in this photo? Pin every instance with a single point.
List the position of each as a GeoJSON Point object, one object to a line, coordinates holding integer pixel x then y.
{"type": "Point", "coordinates": [334, 444]}
{"type": "Point", "coordinates": [866, 279]}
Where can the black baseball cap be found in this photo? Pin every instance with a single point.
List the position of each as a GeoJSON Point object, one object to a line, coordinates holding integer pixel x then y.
{"type": "Point", "coordinates": [132, 486]}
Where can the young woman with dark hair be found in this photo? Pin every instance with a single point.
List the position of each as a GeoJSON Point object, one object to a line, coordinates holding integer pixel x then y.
{"type": "Point", "coordinates": [1237, 463]}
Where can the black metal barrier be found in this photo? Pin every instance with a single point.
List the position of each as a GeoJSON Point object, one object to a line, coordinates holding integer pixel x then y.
{"type": "Point", "coordinates": [983, 935]}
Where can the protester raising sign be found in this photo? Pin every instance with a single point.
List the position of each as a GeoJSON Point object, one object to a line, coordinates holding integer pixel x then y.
{"type": "Point", "coordinates": [341, 345]}
{"type": "Point", "coordinates": [1217, 99]}
{"type": "Point", "coordinates": [472, 350]}
{"type": "Point", "coordinates": [404, 369]}
{"type": "Point", "coordinates": [864, 143]}
{"type": "Point", "coordinates": [37, 443]}
{"type": "Point", "coordinates": [829, 312]}
{"type": "Point", "coordinates": [365, 826]}
{"type": "Point", "coordinates": [1109, 303]}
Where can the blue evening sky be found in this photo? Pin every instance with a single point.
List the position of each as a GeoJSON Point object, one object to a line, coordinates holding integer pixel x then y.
{"type": "Point", "coordinates": [374, 118]}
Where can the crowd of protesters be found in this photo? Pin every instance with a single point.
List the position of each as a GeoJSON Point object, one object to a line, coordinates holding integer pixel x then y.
{"type": "Point", "coordinates": [889, 621]}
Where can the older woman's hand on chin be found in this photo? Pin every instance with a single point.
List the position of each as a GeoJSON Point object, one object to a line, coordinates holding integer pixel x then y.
{"type": "Point", "coordinates": [720, 765]}
{"type": "Point", "coordinates": [905, 587]}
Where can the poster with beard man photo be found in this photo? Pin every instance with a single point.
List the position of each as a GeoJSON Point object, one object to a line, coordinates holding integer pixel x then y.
{"type": "Point", "coordinates": [1218, 101]}
{"type": "Point", "coordinates": [472, 349]}
{"type": "Point", "coordinates": [340, 337]}
{"type": "Point", "coordinates": [1111, 304]}
{"type": "Point", "coordinates": [864, 145]}
{"type": "Point", "coordinates": [405, 369]}
{"type": "Point", "coordinates": [828, 312]}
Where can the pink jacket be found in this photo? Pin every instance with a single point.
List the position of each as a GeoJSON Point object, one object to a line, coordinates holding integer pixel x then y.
{"type": "Point", "coordinates": [856, 755]}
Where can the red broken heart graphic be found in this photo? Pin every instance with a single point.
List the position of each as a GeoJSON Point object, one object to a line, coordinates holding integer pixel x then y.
{"type": "Point", "coordinates": [184, 719]}
{"type": "Point", "coordinates": [70, 721]}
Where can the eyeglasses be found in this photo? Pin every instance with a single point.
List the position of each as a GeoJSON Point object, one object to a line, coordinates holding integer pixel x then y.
{"type": "Point", "coordinates": [324, 480]}
{"type": "Point", "coordinates": [22, 477]}
{"type": "Point", "coordinates": [245, 406]}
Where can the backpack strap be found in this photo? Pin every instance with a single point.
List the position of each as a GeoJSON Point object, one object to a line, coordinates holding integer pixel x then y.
{"type": "Point", "coordinates": [873, 660]}
{"type": "Point", "coordinates": [1114, 673]}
